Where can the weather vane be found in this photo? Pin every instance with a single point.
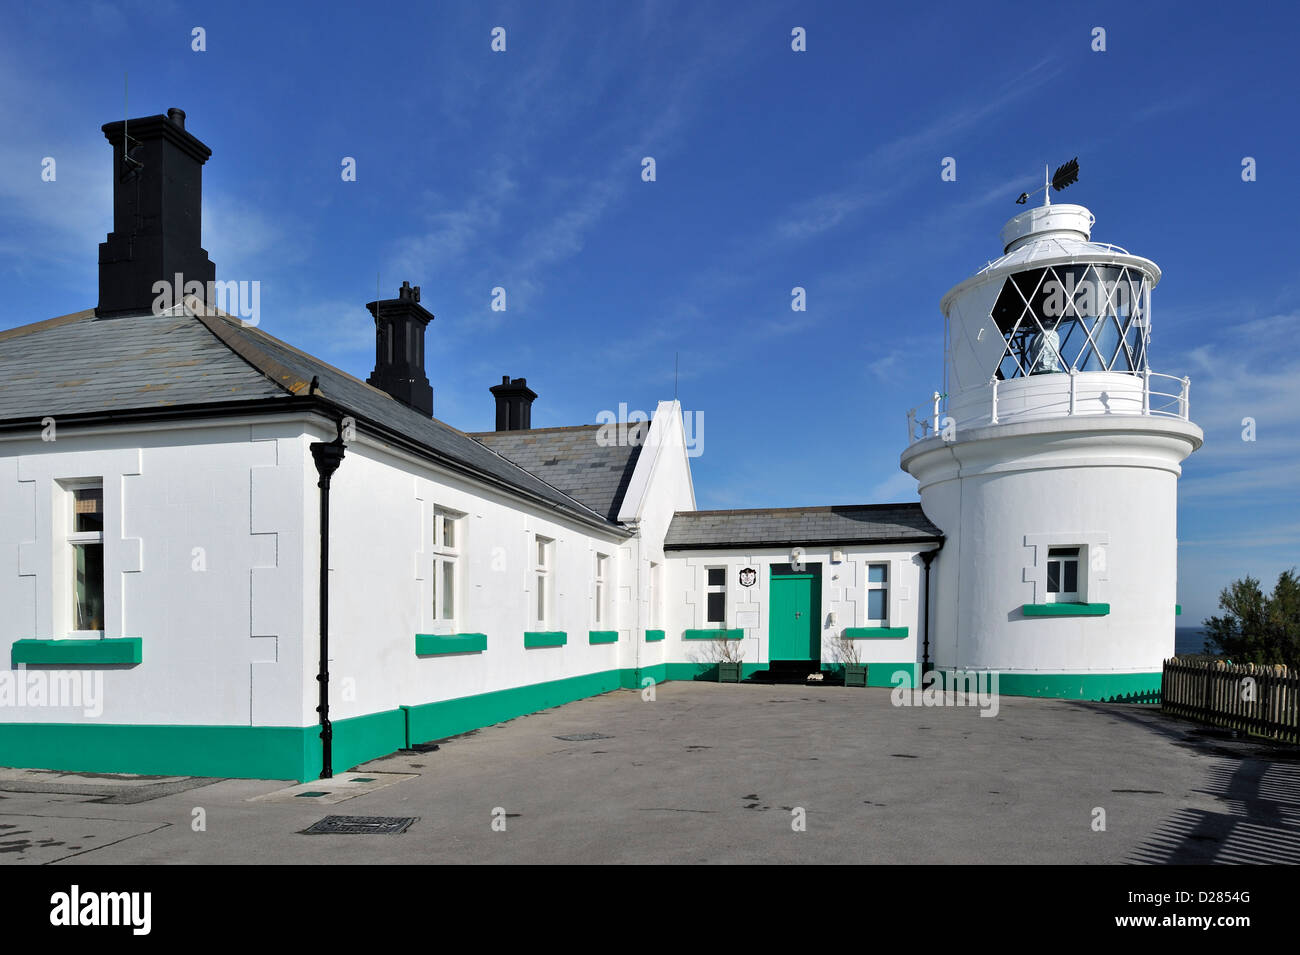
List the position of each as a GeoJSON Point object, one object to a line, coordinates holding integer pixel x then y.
{"type": "Point", "coordinates": [1066, 174]}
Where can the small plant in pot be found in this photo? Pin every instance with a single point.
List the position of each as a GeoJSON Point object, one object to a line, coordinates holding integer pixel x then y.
{"type": "Point", "coordinates": [728, 653]}
{"type": "Point", "coordinates": [846, 652]}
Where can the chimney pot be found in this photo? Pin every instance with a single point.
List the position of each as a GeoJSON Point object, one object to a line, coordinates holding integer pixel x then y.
{"type": "Point", "coordinates": [514, 404]}
{"type": "Point", "coordinates": [399, 348]}
{"type": "Point", "coordinates": [157, 215]}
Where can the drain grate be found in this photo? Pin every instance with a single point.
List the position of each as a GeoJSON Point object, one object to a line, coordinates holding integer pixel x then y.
{"type": "Point", "coordinates": [583, 737]}
{"type": "Point", "coordinates": [361, 825]}
{"type": "Point", "coordinates": [362, 779]}
{"type": "Point", "coordinates": [310, 795]}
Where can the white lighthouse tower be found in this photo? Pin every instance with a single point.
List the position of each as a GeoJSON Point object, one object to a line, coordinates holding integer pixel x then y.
{"type": "Point", "coordinates": [1050, 461]}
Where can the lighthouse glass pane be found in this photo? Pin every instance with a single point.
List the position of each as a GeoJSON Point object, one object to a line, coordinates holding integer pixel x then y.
{"type": "Point", "coordinates": [1080, 317]}
{"type": "Point", "coordinates": [876, 604]}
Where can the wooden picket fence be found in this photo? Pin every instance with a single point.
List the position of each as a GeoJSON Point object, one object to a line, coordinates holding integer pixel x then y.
{"type": "Point", "coordinates": [1223, 694]}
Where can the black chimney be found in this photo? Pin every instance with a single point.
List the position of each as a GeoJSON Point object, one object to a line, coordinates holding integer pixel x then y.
{"type": "Point", "coordinates": [514, 404]}
{"type": "Point", "coordinates": [157, 199]}
{"type": "Point", "coordinates": [399, 348]}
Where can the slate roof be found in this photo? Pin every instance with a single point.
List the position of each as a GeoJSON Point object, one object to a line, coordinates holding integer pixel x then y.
{"type": "Point", "coordinates": [782, 526]}
{"type": "Point", "coordinates": [575, 460]}
{"type": "Point", "coordinates": [79, 364]}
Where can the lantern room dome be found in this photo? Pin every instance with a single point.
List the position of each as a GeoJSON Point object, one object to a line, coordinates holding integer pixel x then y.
{"type": "Point", "coordinates": [1050, 235]}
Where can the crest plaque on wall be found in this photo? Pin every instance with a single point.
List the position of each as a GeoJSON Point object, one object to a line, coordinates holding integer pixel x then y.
{"type": "Point", "coordinates": [748, 577]}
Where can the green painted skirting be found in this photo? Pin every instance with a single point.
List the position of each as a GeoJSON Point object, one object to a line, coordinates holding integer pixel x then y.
{"type": "Point", "coordinates": [875, 633]}
{"type": "Point", "coordinates": [879, 674]}
{"type": "Point", "coordinates": [1066, 610]}
{"type": "Point", "coordinates": [77, 652]}
{"type": "Point", "coordinates": [431, 721]}
{"type": "Point", "coordinates": [652, 636]}
{"type": "Point", "coordinates": [735, 634]}
{"type": "Point", "coordinates": [246, 752]}
{"type": "Point", "coordinates": [602, 636]}
{"type": "Point", "coordinates": [1107, 687]}
{"type": "Point", "coordinates": [432, 644]}
{"type": "Point", "coordinates": [545, 638]}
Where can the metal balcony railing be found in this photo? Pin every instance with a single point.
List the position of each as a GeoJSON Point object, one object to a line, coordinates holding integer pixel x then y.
{"type": "Point", "coordinates": [1070, 394]}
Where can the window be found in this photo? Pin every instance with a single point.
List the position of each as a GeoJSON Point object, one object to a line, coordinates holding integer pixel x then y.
{"type": "Point", "coordinates": [877, 595]}
{"type": "Point", "coordinates": [655, 585]}
{"type": "Point", "coordinates": [602, 590]}
{"type": "Point", "coordinates": [446, 565]}
{"type": "Point", "coordinates": [1081, 317]}
{"type": "Point", "coordinates": [86, 556]}
{"type": "Point", "coordinates": [1063, 575]}
{"type": "Point", "coordinates": [716, 597]}
{"type": "Point", "coordinates": [542, 578]}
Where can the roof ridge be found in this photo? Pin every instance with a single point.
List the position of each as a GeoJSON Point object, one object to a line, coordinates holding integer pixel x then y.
{"type": "Point", "coordinates": [19, 331]}
{"type": "Point", "coordinates": [273, 370]}
{"type": "Point", "coordinates": [231, 320]}
{"type": "Point", "coordinates": [225, 333]}
{"type": "Point", "coordinates": [813, 507]}
{"type": "Point", "coordinates": [562, 427]}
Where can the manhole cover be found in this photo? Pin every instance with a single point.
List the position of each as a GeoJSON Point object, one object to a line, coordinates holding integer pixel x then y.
{"type": "Point", "coordinates": [367, 825]}
{"type": "Point", "coordinates": [583, 737]}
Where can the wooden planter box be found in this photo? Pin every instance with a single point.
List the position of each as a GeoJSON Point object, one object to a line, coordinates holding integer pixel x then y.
{"type": "Point", "coordinates": [728, 672]}
{"type": "Point", "coordinates": [855, 674]}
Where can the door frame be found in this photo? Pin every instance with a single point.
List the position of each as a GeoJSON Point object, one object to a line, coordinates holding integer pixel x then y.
{"type": "Point", "coordinates": [812, 570]}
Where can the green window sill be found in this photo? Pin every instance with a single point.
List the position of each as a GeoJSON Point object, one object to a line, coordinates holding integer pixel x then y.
{"type": "Point", "coordinates": [875, 633]}
{"type": "Point", "coordinates": [434, 644]}
{"type": "Point", "coordinates": [602, 636]}
{"type": "Point", "coordinates": [735, 634]}
{"type": "Point", "coordinates": [545, 638]}
{"type": "Point", "coordinates": [653, 636]}
{"type": "Point", "coordinates": [1066, 610]}
{"type": "Point", "coordinates": [77, 652]}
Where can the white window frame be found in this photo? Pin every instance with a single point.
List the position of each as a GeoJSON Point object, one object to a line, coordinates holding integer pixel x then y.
{"type": "Point", "coordinates": [715, 589]}
{"type": "Point", "coordinates": [447, 555]}
{"type": "Point", "coordinates": [66, 578]}
{"type": "Point", "coordinates": [600, 592]}
{"type": "Point", "coordinates": [881, 585]}
{"type": "Point", "coordinates": [1064, 596]}
{"type": "Point", "coordinates": [543, 559]}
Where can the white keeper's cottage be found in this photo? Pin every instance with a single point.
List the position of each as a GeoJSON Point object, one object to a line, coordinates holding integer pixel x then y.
{"type": "Point", "coordinates": [212, 525]}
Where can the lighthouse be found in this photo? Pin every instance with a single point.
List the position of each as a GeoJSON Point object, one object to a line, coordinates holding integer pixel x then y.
{"type": "Point", "coordinates": [1050, 460]}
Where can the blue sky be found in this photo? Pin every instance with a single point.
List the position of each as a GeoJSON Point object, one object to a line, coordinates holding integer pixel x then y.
{"type": "Point", "coordinates": [818, 169]}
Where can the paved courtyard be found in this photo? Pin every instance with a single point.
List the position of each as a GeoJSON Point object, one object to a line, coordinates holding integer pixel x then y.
{"type": "Point", "coordinates": [720, 773]}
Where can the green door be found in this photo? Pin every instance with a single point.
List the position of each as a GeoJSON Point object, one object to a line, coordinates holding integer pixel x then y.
{"type": "Point", "coordinates": [794, 631]}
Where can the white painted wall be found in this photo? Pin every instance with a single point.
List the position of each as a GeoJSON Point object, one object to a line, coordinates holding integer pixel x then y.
{"type": "Point", "coordinates": [230, 631]}
{"type": "Point", "coordinates": [843, 595]}
{"type": "Point", "coordinates": [203, 561]}
{"type": "Point", "coordinates": [661, 485]}
{"type": "Point", "coordinates": [1004, 494]}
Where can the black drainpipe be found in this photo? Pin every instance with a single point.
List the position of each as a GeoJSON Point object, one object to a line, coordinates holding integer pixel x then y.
{"type": "Point", "coordinates": [928, 556]}
{"type": "Point", "coordinates": [328, 456]}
